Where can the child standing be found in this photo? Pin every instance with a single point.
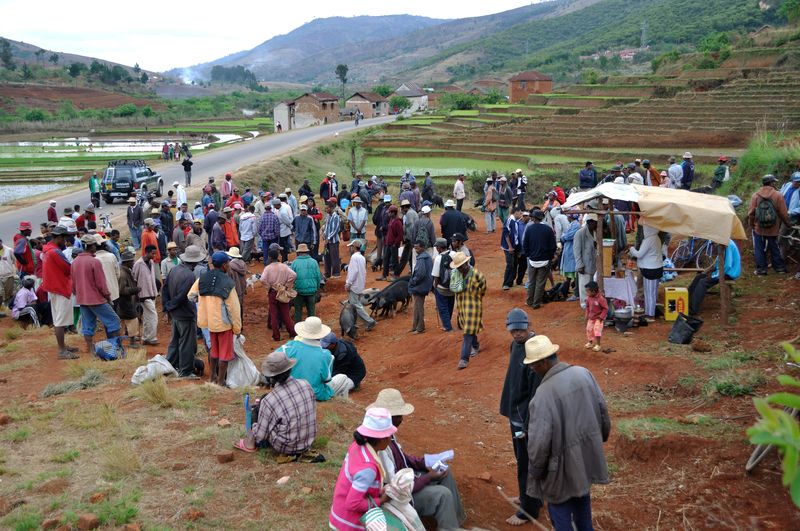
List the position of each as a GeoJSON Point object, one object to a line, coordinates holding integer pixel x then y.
{"type": "Point", "coordinates": [596, 311]}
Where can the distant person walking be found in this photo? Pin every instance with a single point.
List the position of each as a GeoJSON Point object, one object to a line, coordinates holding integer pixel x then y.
{"type": "Point", "coordinates": [94, 189]}
{"type": "Point", "coordinates": [187, 171]}
{"type": "Point", "coordinates": [458, 192]}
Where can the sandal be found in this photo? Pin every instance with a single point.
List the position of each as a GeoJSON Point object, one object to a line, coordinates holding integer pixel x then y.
{"type": "Point", "coordinates": [588, 345]}
{"type": "Point", "coordinates": [240, 446]}
{"type": "Point", "coordinates": [597, 348]}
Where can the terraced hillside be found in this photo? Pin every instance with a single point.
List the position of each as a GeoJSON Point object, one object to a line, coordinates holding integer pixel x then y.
{"type": "Point", "coordinates": [603, 123]}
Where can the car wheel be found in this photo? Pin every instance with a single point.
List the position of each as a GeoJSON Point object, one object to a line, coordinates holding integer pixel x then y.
{"type": "Point", "coordinates": [160, 190]}
{"type": "Point", "coordinates": [108, 200]}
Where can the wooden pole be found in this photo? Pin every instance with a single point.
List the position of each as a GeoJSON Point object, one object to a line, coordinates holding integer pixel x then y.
{"type": "Point", "coordinates": [724, 288]}
{"type": "Point", "coordinates": [598, 238]}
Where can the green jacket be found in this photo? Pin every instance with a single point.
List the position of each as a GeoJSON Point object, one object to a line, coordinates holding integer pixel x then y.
{"type": "Point", "coordinates": [308, 275]}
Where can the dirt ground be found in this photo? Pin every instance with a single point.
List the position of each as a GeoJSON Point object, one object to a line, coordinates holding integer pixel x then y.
{"type": "Point", "coordinates": [50, 97]}
{"type": "Point", "coordinates": [676, 453]}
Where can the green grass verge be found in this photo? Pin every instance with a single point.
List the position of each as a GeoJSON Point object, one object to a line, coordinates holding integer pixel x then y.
{"type": "Point", "coordinates": [651, 427]}
{"type": "Point", "coordinates": [436, 165]}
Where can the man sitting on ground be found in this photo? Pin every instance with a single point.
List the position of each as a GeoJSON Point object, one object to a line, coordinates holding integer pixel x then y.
{"type": "Point", "coordinates": [287, 416]}
{"type": "Point", "coordinates": [705, 281]}
{"type": "Point", "coordinates": [348, 367]}
{"type": "Point", "coordinates": [313, 362]}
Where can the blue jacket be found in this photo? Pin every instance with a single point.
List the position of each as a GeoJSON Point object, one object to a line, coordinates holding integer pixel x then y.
{"type": "Point", "coordinates": [304, 230]}
{"type": "Point", "coordinates": [688, 173]}
{"type": "Point", "coordinates": [539, 242]}
{"type": "Point", "coordinates": [308, 277]}
{"type": "Point", "coordinates": [421, 278]}
{"type": "Point", "coordinates": [587, 178]}
{"type": "Point", "coordinates": [567, 254]}
{"type": "Point", "coordinates": [733, 263]}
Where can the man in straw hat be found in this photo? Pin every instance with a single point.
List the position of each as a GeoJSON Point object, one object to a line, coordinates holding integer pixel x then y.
{"type": "Point", "coordinates": [218, 311]}
{"type": "Point", "coordinates": [435, 492]}
{"type": "Point", "coordinates": [182, 312]}
{"type": "Point", "coordinates": [306, 284]}
{"type": "Point", "coordinates": [469, 285]}
{"type": "Point", "coordinates": [568, 425]}
{"type": "Point", "coordinates": [518, 390]}
{"type": "Point", "coordinates": [287, 416]}
{"type": "Point", "coordinates": [128, 298]}
{"type": "Point", "coordinates": [313, 362]}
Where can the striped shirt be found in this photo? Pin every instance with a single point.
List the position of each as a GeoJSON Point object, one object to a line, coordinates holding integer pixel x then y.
{"type": "Point", "coordinates": [332, 227]}
{"type": "Point", "coordinates": [287, 417]}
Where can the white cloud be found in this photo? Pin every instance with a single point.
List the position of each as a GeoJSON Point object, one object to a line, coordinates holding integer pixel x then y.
{"type": "Point", "coordinates": [160, 35]}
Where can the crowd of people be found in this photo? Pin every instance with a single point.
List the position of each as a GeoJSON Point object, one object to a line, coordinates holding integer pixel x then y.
{"type": "Point", "coordinates": [196, 260]}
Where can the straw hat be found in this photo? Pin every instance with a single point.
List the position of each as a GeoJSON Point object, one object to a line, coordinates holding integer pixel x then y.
{"type": "Point", "coordinates": [276, 363]}
{"type": "Point", "coordinates": [312, 328]}
{"type": "Point", "coordinates": [377, 424]}
{"type": "Point", "coordinates": [538, 348]}
{"type": "Point", "coordinates": [459, 259]}
{"type": "Point", "coordinates": [590, 217]}
{"type": "Point", "coordinates": [302, 248]}
{"type": "Point", "coordinates": [233, 252]}
{"type": "Point", "coordinates": [449, 203]}
{"type": "Point", "coordinates": [172, 245]}
{"type": "Point", "coordinates": [132, 200]}
{"type": "Point", "coordinates": [303, 198]}
{"type": "Point", "coordinates": [392, 400]}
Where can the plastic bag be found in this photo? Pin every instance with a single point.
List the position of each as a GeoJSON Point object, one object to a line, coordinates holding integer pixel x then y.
{"type": "Point", "coordinates": [684, 329]}
{"type": "Point", "coordinates": [110, 349]}
{"type": "Point", "coordinates": [156, 366]}
{"type": "Point", "coordinates": [242, 372]}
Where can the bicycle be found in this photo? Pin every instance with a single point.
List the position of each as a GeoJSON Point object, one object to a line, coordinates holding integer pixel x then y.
{"type": "Point", "coordinates": [105, 224]}
{"type": "Point", "coordinates": [694, 250]}
{"type": "Point", "coordinates": [762, 450]}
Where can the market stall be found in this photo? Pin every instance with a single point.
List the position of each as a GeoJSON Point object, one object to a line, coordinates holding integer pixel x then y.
{"type": "Point", "coordinates": [678, 212]}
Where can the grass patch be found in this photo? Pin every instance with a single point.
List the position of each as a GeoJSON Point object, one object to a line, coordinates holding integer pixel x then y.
{"type": "Point", "coordinates": [96, 416]}
{"type": "Point", "coordinates": [733, 384]}
{"type": "Point", "coordinates": [66, 457]}
{"type": "Point", "coordinates": [118, 512]}
{"type": "Point", "coordinates": [13, 333]}
{"type": "Point", "coordinates": [26, 520]}
{"type": "Point", "coordinates": [651, 427]}
{"type": "Point", "coordinates": [436, 165]}
{"type": "Point", "coordinates": [19, 435]}
{"type": "Point", "coordinates": [90, 378]}
{"type": "Point", "coordinates": [729, 360]}
{"type": "Point", "coordinates": [156, 392]}
{"type": "Point", "coordinates": [119, 461]}
{"type": "Point", "coordinates": [18, 364]}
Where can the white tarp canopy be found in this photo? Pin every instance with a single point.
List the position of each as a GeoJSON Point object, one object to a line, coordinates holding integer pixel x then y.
{"type": "Point", "coordinates": [678, 212]}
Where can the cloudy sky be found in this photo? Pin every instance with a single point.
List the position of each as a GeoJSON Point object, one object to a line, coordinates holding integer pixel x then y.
{"type": "Point", "coordinates": [162, 34]}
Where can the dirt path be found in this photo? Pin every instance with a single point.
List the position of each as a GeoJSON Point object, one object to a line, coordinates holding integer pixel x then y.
{"type": "Point", "coordinates": [676, 452]}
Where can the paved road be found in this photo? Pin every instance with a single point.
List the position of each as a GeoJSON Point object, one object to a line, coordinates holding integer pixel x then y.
{"type": "Point", "coordinates": [215, 162]}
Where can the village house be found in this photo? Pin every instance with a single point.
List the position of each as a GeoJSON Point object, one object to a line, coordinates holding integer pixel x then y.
{"type": "Point", "coordinates": [485, 86]}
{"type": "Point", "coordinates": [526, 83]}
{"type": "Point", "coordinates": [312, 108]}
{"type": "Point", "coordinates": [370, 104]}
{"type": "Point", "coordinates": [415, 94]}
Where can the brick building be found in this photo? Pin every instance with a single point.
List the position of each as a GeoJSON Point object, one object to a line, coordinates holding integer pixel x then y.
{"type": "Point", "coordinates": [526, 83]}
{"type": "Point", "coordinates": [312, 108]}
{"type": "Point", "coordinates": [370, 104]}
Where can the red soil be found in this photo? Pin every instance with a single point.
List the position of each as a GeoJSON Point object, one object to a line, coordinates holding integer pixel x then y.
{"type": "Point", "coordinates": [50, 97]}
{"type": "Point", "coordinates": [670, 481]}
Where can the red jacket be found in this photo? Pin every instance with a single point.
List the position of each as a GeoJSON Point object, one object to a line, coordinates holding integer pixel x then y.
{"type": "Point", "coordinates": [89, 281]}
{"type": "Point", "coordinates": [56, 271]}
{"type": "Point", "coordinates": [596, 307]}
{"type": "Point", "coordinates": [560, 195]}
{"type": "Point", "coordinates": [394, 235]}
{"type": "Point", "coordinates": [23, 249]}
{"type": "Point", "coordinates": [52, 215]}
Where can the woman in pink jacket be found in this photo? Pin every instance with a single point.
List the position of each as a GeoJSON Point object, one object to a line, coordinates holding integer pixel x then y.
{"type": "Point", "coordinates": [361, 476]}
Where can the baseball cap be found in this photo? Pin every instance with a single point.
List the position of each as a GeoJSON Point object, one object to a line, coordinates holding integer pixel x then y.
{"type": "Point", "coordinates": [219, 258]}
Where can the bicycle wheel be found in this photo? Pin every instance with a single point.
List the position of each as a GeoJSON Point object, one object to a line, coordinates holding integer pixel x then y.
{"type": "Point", "coordinates": [681, 254]}
{"type": "Point", "coordinates": [705, 256]}
{"type": "Point", "coordinates": [759, 453]}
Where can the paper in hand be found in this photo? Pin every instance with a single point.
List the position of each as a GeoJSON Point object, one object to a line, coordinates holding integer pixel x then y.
{"type": "Point", "coordinates": [432, 459]}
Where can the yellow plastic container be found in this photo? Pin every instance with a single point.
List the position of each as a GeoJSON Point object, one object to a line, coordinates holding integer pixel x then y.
{"type": "Point", "coordinates": [608, 257]}
{"type": "Point", "coordinates": [676, 300]}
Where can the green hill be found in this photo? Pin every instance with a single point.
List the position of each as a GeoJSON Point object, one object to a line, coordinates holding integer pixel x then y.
{"type": "Point", "coordinates": [554, 45]}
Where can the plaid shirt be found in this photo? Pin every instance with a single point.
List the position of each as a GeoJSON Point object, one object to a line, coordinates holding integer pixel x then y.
{"type": "Point", "coordinates": [287, 417]}
{"type": "Point", "coordinates": [269, 226]}
{"type": "Point", "coordinates": [470, 303]}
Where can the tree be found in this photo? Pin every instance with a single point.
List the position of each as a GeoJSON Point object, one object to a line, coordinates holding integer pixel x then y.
{"type": "Point", "coordinates": [383, 90]}
{"type": "Point", "coordinates": [26, 71]}
{"type": "Point", "coordinates": [399, 103]}
{"type": "Point", "coordinates": [39, 55]}
{"type": "Point", "coordinates": [493, 97]}
{"type": "Point", "coordinates": [144, 78]}
{"type": "Point", "coordinates": [341, 75]}
{"type": "Point", "coordinates": [6, 57]}
{"type": "Point", "coordinates": [75, 69]}
{"type": "Point", "coordinates": [791, 10]}
{"type": "Point", "coordinates": [54, 57]}
{"type": "Point", "coordinates": [136, 68]}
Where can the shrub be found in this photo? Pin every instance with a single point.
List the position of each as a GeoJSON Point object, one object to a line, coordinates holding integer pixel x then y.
{"type": "Point", "coordinates": [780, 428]}
{"type": "Point", "coordinates": [119, 461]}
{"type": "Point", "coordinates": [36, 115]}
{"type": "Point", "coordinates": [66, 457]}
{"type": "Point", "coordinates": [91, 378]}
